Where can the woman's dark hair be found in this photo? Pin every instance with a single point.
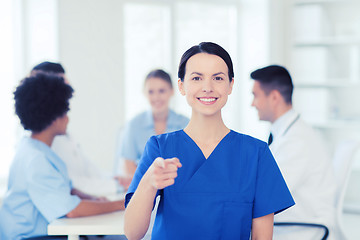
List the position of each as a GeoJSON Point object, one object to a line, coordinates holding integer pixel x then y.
{"type": "Point", "coordinates": [275, 77]}
{"type": "Point", "coordinates": [41, 99]}
{"type": "Point", "coordinates": [159, 73]}
{"type": "Point", "coordinates": [206, 47]}
{"type": "Point", "coordinates": [49, 67]}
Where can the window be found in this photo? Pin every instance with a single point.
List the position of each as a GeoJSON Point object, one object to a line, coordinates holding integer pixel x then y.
{"type": "Point", "coordinates": [147, 46]}
{"type": "Point", "coordinates": [156, 35]}
{"type": "Point", "coordinates": [20, 51]}
{"type": "Point", "coordinates": [7, 83]}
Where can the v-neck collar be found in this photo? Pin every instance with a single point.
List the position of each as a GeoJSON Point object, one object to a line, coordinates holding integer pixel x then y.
{"type": "Point", "coordinates": [187, 137]}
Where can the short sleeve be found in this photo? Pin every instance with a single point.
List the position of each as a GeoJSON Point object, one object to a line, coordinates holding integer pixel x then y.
{"type": "Point", "coordinates": [151, 152]}
{"type": "Point", "coordinates": [272, 194]}
{"type": "Point", "coordinates": [49, 190]}
{"type": "Point", "coordinates": [127, 147]}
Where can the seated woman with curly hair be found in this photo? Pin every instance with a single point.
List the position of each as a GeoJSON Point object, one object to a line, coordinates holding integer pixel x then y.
{"type": "Point", "coordinates": [39, 189]}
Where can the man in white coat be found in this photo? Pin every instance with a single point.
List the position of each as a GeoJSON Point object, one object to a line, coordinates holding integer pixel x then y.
{"type": "Point", "coordinates": [300, 153]}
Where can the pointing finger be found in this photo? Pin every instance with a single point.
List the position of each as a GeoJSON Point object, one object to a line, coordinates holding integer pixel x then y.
{"type": "Point", "coordinates": [159, 162]}
{"type": "Point", "coordinates": [176, 161]}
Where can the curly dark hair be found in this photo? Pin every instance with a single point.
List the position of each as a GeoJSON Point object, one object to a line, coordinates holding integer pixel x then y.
{"type": "Point", "coordinates": [48, 67]}
{"type": "Point", "coordinates": [41, 99]}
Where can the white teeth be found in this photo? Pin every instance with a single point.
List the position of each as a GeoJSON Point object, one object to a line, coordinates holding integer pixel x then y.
{"type": "Point", "coordinates": [207, 99]}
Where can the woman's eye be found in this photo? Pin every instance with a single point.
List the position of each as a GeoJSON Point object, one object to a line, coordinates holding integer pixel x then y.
{"type": "Point", "coordinates": [219, 78]}
{"type": "Point", "coordinates": [196, 78]}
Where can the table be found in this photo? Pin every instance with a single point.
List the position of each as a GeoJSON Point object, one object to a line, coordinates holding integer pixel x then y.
{"type": "Point", "coordinates": [104, 224]}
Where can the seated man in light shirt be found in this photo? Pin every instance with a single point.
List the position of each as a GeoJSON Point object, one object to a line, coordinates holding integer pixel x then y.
{"type": "Point", "coordinates": [300, 153]}
{"type": "Point", "coordinates": [84, 174]}
{"type": "Point", "coordinates": [39, 189]}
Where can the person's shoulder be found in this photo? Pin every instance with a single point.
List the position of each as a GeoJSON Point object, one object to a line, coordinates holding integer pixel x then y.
{"type": "Point", "coordinates": [168, 136]}
{"type": "Point", "coordinates": [302, 125]}
{"type": "Point", "coordinates": [30, 151]}
{"type": "Point", "coordinates": [138, 120]}
{"type": "Point", "coordinates": [140, 116]}
{"type": "Point", "coordinates": [247, 139]}
{"type": "Point", "coordinates": [246, 145]}
{"type": "Point", "coordinates": [311, 136]}
{"type": "Point", "coordinates": [163, 141]}
{"type": "Point", "coordinates": [180, 116]}
{"type": "Point", "coordinates": [303, 131]}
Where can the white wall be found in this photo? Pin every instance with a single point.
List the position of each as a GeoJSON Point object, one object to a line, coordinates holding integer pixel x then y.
{"type": "Point", "coordinates": [254, 51]}
{"type": "Point", "coordinates": [40, 32]}
{"type": "Point", "coordinates": [7, 83]}
{"type": "Point", "coordinates": [90, 50]}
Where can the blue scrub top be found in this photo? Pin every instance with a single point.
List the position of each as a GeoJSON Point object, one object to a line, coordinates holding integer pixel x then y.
{"type": "Point", "coordinates": [38, 192]}
{"type": "Point", "coordinates": [217, 197]}
{"type": "Point", "coordinates": [138, 131]}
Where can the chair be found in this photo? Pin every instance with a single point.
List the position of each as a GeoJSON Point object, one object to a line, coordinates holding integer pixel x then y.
{"type": "Point", "coordinates": [302, 224]}
{"type": "Point", "coordinates": [342, 162]}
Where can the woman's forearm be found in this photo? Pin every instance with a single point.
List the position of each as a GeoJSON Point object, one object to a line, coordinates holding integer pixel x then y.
{"type": "Point", "coordinates": [160, 174]}
{"type": "Point", "coordinates": [94, 207]}
{"type": "Point", "coordinates": [262, 227]}
{"type": "Point", "coordinates": [130, 167]}
{"type": "Point", "coordinates": [138, 211]}
{"type": "Point", "coordinates": [82, 195]}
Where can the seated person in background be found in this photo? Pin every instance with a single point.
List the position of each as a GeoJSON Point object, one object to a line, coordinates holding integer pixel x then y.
{"type": "Point", "coordinates": [39, 189]}
{"type": "Point", "coordinates": [83, 173]}
{"type": "Point", "coordinates": [300, 153]}
{"type": "Point", "coordinates": [160, 119]}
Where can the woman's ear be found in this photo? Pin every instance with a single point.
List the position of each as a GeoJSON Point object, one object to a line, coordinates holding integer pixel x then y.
{"type": "Point", "coordinates": [231, 86]}
{"type": "Point", "coordinates": [181, 87]}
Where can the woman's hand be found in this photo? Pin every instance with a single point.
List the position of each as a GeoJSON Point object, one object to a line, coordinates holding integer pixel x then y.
{"type": "Point", "coordinates": [162, 172]}
{"type": "Point", "coordinates": [123, 181]}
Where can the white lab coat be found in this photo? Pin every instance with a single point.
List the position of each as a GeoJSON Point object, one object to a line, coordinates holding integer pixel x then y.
{"type": "Point", "coordinates": [307, 168]}
{"type": "Point", "coordinates": [83, 173]}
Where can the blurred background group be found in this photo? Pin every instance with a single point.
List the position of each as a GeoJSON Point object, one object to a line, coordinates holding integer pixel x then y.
{"type": "Point", "coordinates": [108, 47]}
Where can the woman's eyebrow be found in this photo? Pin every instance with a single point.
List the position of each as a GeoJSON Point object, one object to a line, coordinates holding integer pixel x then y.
{"type": "Point", "coordinates": [197, 73]}
{"type": "Point", "coordinates": [219, 73]}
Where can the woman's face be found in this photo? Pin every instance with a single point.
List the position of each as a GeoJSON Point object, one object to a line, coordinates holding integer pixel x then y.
{"type": "Point", "coordinates": [206, 83]}
{"type": "Point", "coordinates": [159, 93]}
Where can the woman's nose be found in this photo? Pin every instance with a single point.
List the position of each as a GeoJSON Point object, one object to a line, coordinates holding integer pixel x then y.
{"type": "Point", "coordinates": [207, 86]}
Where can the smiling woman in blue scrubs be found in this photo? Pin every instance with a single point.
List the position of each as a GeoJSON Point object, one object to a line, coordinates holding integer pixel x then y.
{"type": "Point", "coordinates": [213, 183]}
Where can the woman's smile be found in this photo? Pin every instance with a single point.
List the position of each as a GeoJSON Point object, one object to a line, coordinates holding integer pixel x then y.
{"type": "Point", "coordinates": [207, 100]}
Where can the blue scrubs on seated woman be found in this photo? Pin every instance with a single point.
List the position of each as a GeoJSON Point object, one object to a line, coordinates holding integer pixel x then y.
{"type": "Point", "coordinates": [217, 197]}
{"type": "Point", "coordinates": [38, 192]}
